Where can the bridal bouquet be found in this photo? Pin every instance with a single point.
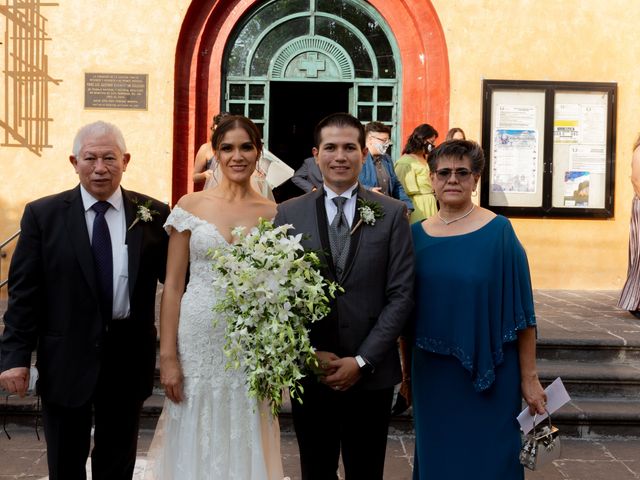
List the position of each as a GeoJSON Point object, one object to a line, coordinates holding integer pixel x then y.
{"type": "Point", "coordinates": [272, 290]}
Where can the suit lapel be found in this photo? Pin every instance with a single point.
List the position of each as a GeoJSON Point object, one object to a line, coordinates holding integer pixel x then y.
{"type": "Point", "coordinates": [133, 238]}
{"type": "Point", "coordinates": [323, 231]}
{"type": "Point", "coordinates": [79, 237]}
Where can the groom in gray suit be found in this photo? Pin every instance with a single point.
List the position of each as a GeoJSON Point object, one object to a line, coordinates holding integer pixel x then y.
{"type": "Point", "coordinates": [348, 409]}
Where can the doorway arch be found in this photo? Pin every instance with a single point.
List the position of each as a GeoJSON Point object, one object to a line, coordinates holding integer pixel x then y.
{"type": "Point", "coordinates": [288, 65]}
{"type": "Point", "coordinates": [422, 89]}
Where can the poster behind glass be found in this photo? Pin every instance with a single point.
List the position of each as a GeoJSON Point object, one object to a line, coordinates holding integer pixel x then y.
{"type": "Point", "coordinates": [579, 149]}
{"type": "Point", "coordinates": [517, 139]}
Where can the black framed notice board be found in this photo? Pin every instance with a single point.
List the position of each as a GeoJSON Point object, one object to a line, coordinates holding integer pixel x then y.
{"type": "Point", "coordinates": [549, 147]}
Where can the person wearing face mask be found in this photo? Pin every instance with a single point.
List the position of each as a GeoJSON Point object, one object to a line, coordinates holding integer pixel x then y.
{"type": "Point", "coordinates": [377, 172]}
{"type": "Point", "coordinates": [412, 171]}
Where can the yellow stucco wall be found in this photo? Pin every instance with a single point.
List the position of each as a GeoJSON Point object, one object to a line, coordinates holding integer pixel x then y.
{"type": "Point", "coordinates": [106, 37]}
{"type": "Point", "coordinates": [506, 39]}
{"type": "Point", "coordinates": [557, 41]}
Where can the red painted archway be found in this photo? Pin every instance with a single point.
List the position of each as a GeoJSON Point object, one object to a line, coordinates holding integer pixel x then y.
{"type": "Point", "coordinates": [207, 26]}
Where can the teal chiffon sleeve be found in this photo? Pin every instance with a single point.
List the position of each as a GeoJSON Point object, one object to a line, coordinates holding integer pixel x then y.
{"type": "Point", "coordinates": [473, 294]}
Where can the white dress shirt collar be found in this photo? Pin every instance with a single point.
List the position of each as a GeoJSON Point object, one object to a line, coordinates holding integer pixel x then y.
{"type": "Point", "coordinates": [88, 200]}
{"type": "Point", "coordinates": [349, 208]}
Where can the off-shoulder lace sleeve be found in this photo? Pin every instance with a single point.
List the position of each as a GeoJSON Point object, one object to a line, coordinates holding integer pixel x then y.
{"type": "Point", "coordinates": [180, 219]}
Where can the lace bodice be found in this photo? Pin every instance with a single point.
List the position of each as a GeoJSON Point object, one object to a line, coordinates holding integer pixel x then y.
{"type": "Point", "coordinates": [205, 236]}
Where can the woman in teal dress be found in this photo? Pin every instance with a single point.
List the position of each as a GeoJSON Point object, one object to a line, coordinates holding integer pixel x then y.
{"type": "Point", "coordinates": [413, 173]}
{"type": "Point", "coordinates": [474, 355]}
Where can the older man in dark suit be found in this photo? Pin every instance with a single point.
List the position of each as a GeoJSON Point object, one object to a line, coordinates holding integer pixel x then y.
{"type": "Point", "coordinates": [82, 287]}
{"type": "Point", "coordinates": [365, 242]}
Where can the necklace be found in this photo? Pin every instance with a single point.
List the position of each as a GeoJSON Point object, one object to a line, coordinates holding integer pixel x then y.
{"type": "Point", "coordinates": [449, 222]}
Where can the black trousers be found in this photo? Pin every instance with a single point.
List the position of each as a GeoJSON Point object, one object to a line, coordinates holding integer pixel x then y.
{"type": "Point", "coordinates": [113, 411]}
{"type": "Point", "coordinates": [354, 422]}
{"type": "Point", "coordinates": [68, 435]}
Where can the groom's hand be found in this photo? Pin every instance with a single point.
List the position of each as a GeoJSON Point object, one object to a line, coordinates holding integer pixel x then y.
{"type": "Point", "coordinates": [15, 380]}
{"type": "Point", "coordinates": [347, 373]}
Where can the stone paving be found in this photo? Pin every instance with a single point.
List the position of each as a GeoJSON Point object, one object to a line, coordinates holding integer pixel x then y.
{"type": "Point", "coordinates": [24, 457]}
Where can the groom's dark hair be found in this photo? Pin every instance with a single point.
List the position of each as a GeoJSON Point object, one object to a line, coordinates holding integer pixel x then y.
{"type": "Point", "coordinates": [340, 120]}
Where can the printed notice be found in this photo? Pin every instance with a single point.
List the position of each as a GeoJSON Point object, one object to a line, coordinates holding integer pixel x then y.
{"type": "Point", "coordinates": [115, 91]}
{"type": "Point", "coordinates": [594, 124]}
{"type": "Point", "coordinates": [521, 117]}
{"type": "Point", "coordinates": [566, 123]}
{"type": "Point", "coordinates": [588, 158]}
{"type": "Point", "coordinates": [515, 161]}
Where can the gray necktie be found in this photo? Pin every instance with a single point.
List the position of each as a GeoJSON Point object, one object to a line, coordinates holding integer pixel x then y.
{"type": "Point", "coordinates": [339, 238]}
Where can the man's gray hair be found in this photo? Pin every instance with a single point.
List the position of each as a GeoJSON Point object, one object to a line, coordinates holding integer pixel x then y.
{"type": "Point", "coordinates": [97, 129]}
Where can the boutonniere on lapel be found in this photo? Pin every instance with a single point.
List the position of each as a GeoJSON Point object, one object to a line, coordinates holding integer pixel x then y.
{"type": "Point", "coordinates": [369, 213]}
{"type": "Point", "coordinates": [144, 213]}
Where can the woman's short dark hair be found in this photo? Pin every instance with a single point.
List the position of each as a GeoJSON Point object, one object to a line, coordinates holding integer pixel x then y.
{"type": "Point", "coordinates": [340, 120]}
{"type": "Point", "coordinates": [458, 150]}
{"type": "Point", "coordinates": [231, 122]}
{"type": "Point", "coordinates": [415, 142]}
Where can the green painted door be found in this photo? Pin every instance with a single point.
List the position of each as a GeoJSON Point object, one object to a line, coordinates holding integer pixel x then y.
{"type": "Point", "coordinates": [288, 63]}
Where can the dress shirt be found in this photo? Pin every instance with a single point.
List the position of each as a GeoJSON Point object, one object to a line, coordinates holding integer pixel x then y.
{"type": "Point", "coordinates": [116, 221]}
{"type": "Point", "coordinates": [384, 179]}
{"type": "Point", "coordinates": [349, 207]}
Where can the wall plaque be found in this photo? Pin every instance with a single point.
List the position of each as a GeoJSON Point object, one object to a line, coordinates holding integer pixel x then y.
{"type": "Point", "coordinates": [116, 91]}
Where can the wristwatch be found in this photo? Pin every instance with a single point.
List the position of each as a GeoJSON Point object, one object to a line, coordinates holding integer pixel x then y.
{"type": "Point", "coordinates": [365, 367]}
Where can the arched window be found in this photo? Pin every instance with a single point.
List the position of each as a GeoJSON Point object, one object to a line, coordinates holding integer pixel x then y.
{"type": "Point", "coordinates": [332, 41]}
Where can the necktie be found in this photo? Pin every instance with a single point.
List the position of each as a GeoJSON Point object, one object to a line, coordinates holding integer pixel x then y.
{"type": "Point", "coordinates": [339, 237]}
{"type": "Point", "coordinates": [103, 258]}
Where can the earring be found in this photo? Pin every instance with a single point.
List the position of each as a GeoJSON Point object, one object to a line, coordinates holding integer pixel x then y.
{"type": "Point", "coordinates": [474, 193]}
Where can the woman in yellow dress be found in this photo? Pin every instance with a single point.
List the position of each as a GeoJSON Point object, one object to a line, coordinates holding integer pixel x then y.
{"type": "Point", "coordinates": [413, 172]}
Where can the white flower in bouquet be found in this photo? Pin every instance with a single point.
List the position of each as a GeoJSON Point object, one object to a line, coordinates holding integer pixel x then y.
{"type": "Point", "coordinates": [272, 290]}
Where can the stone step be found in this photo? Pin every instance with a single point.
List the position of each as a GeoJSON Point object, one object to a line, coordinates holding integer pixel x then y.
{"type": "Point", "coordinates": [580, 418]}
{"type": "Point", "coordinates": [593, 379]}
{"type": "Point", "coordinates": [597, 417]}
{"type": "Point", "coordinates": [589, 350]}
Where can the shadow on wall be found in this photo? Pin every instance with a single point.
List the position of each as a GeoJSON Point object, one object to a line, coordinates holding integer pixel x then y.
{"type": "Point", "coordinates": [25, 119]}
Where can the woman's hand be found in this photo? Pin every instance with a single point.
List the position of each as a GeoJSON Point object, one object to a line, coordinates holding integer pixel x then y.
{"type": "Point", "coordinates": [172, 379]}
{"type": "Point", "coordinates": [534, 394]}
{"type": "Point", "coordinates": [323, 363]}
{"type": "Point", "coordinates": [405, 390]}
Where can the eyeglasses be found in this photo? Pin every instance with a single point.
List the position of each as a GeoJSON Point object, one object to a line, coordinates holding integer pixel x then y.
{"type": "Point", "coordinates": [383, 142]}
{"type": "Point", "coordinates": [461, 174]}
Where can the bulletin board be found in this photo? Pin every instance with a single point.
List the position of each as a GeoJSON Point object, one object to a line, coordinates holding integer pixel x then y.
{"type": "Point", "coordinates": [549, 148]}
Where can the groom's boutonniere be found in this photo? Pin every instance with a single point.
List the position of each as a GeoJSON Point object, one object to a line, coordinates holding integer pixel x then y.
{"type": "Point", "coordinates": [369, 213]}
{"type": "Point", "coordinates": [143, 213]}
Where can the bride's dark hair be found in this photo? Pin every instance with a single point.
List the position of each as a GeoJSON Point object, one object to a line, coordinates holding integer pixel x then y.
{"type": "Point", "coordinates": [232, 122]}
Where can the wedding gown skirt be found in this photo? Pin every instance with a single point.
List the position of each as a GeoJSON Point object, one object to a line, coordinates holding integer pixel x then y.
{"type": "Point", "coordinates": [217, 432]}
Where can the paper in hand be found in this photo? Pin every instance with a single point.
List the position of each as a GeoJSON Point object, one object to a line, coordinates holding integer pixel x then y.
{"type": "Point", "coordinates": [557, 396]}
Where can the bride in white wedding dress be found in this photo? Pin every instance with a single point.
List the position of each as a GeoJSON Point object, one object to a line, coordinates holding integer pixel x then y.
{"type": "Point", "coordinates": [209, 427]}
